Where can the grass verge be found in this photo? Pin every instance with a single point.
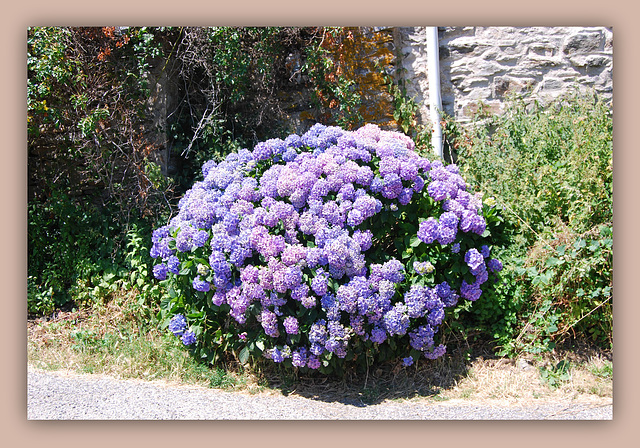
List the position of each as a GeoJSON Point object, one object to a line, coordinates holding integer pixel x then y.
{"type": "Point", "coordinates": [107, 339]}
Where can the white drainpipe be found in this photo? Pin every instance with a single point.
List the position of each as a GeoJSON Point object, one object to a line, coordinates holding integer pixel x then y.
{"type": "Point", "coordinates": [435, 101]}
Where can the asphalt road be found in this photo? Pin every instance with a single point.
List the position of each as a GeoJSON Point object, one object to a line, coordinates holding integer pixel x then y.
{"type": "Point", "coordinates": [65, 396]}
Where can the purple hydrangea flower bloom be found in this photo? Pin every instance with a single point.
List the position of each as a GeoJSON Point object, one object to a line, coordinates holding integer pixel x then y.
{"type": "Point", "coordinates": [446, 235]}
{"type": "Point", "coordinates": [494, 265]}
{"type": "Point", "coordinates": [449, 219]}
{"type": "Point", "coordinates": [319, 283]}
{"type": "Point", "coordinates": [160, 271]}
{"type": "Point", "coordinates": [479, 225]}
{"type": "Point", "coordinates": [200, 238]}
{"type": "Point", "coordinates": [262, 151]}
{"type": "Point", "coordinates": [470, 291]}
{"type": "Point", "coordinates": [299, 357]}
{"type": "Point", "coordinates": [421, 338]}
{"type": "Point", "coordinates": [364, 176]}
{"type": "Point", "coordinates": [437, 190]}
{"type": "Point", "coordinates": [293, 141]}
{"type": "Point", "coordinates": [160, 233]}
{"type": "Point", "coordinates": [405, 196]}
{"type": "Point", "coordinates": [408, 170]}
{"type": "Point", "coordinates": [436, 353]}
{"type": "Point", "coordinates": [376, 184]}
{"type": "Point", "coordinates": [393, 270]}
{"type": "Point", "coordinates": [467, 221]}
{"type": "Point", "coordinates": [177, 324]}
{"type": "Point", "coordinates": [414, 300]}
{"type": "Point", "coordinates": [473, 258]}
{"type": "Point", "coordinates": [428, 230]}
{"type": "Point", "coordinates": [357, 324]}
{"type": "Point", "coordinates": [396, 320]}
{"type": "Point", "coordinates": [188, 338]}
{"type": "Point", "coordinates": [313, 362]}
{"type": "Point", "coordinates": [318, 332]}
{"type": "Point", "coordinates": [291, 325]}
{"type": "Point", "coordinates": [443, 290]}
{"type": "Point", "coordinates": [363, 239]}
{"type": "Point", "coordinates": [408, 361]}
{"type": "Point", "coordinates": [378, 335]}
{"type": "Point", "coordinates": [481, 275]}
{"type": "Point", "coordinates": [290, 155]}
{"type": "Point", "coordinates": [200, 285]}
{"type": "Point", "coordinates": [219, 297]}
{"type": "Point", "coordinates": [173, 264]}
{"type": "Point", "coordinates": [161, 249]}
{"type": "Point", "coordinates": [207, 166]}
{"type": "Point", "coordinates": [355, 218]}
{"type": "Point", "coordinates": [392, 186]}
{"type": "Point", "coordinates": [277, 355]}
{"type": "Point", "coordinates": [389, 165]}
{"type": "Point", "coordinates": [269, 322]}
{"type": "Point", "coordinates": [347, 297]}
{"type": "Point", "coordinates": [451, 300]}
{"type": "Point", "coordinates": [436, 316]}
{"type": "Point", "coordinates": [485, 251]}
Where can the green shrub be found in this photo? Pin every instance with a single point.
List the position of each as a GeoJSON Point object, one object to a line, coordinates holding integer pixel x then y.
{"type": "Point", "coordinates": [550, 168]}
{"type": "Point", "coordinates": [325, 251]}
{"type": "Point", "coordinates": [91, 173]}
{"type": "Point", "coordinates": [67, 244]}
{"type": "Point", "coordinates": [78, 253]}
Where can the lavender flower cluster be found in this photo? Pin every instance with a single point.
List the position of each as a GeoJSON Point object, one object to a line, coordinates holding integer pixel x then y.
{"type": "Point", "coordinates": [295, 237]}
{"type": "Point", "coordinates": [178, 326]}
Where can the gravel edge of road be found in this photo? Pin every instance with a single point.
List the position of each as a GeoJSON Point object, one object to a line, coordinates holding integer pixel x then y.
{"type": "Point", "coordinates": [55, 395]}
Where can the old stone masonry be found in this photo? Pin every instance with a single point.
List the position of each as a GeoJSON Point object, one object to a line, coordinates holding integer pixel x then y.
{"type": "Point", "coordinates": [487, 63]}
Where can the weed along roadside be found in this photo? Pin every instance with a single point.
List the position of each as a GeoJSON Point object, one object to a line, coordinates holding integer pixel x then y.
{"type": "Point", "coordinates": [341, 261]}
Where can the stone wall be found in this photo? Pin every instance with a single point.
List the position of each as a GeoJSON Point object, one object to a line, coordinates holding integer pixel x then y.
{"type": "Point", "coordinates": [485, 64]}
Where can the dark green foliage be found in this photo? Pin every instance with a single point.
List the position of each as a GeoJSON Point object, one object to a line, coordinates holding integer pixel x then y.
{"type": "Point", "coordinates": [237, 85]}
{"type": "Point", "coordinates": [68, 245]}
{"type": "Point", "coordinates": [91, 170]}
{"type": "Point", "coordinates": [87, 112]}
{"type": "Point", "coordinates": [81, 254]}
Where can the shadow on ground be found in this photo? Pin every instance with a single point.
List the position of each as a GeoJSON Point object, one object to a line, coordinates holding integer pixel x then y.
{"type": "Point", "coordinates": [388, 381]}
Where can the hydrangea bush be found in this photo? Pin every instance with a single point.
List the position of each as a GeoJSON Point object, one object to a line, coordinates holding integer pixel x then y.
{"type": "Point", "coordinates": [331, 247]}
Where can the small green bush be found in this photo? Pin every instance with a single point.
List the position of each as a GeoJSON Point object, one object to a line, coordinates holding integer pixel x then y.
{"type": "Point", "coordinates": [550, 168]}
{"type": "Point", "coordinates": [78, 253]}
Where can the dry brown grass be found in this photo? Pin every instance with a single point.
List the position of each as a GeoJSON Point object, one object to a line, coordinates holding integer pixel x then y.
{"type": "Point", "coordinates": [54, 344]}
{"type": "Point", "coordinates": [456, 378]}
{"type": "Point", "coordinates": [515, 382]}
